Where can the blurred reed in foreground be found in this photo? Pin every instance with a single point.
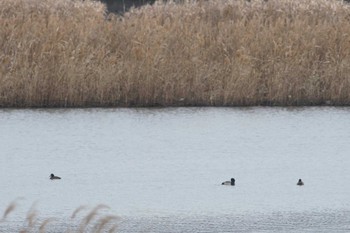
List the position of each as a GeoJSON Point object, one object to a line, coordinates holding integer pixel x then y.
{"type": "Point", "coordinates": [92, 222]}
{"type": "Point", "coordinates": [68, 53]}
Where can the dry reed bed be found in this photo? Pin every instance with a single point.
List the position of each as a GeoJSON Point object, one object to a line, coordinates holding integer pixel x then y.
{"type": "Point", "coordinates": [213, 53]}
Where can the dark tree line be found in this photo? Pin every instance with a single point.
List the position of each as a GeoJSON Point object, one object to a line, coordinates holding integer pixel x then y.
{"type": "Point", "coordinates": [121, 6]}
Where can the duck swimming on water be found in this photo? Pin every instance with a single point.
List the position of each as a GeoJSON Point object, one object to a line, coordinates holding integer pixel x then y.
{"type": "Point", "coordinates": [53, 177]}
{"type": "Point", "coordinates": [300, 182]}
{"type": "Point", "coordinates": [232, 182]}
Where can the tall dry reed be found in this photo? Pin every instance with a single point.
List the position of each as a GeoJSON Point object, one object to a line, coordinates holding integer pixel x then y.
{"type": "Point", "coordinates": [93, 222]}
{"type": "Point", "coordinates": [68, 53]}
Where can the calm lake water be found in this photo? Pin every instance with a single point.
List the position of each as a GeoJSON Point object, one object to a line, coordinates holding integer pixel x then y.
{"type": "Point", "coordinates": [161, 170]}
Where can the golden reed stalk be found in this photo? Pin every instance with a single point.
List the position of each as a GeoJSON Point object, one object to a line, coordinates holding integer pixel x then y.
{"type": "Point", "coordinates": [93, 222]}
{"type": "Point", "coordinates": [68, 53]}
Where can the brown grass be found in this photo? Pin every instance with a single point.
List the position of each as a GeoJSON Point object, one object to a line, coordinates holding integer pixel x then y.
{"type": "Point", "coordinates": [93, 222]}
{"type": "Point", "coordinates": [67, 53]}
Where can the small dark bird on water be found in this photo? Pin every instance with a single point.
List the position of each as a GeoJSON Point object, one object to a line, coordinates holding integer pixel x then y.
{"type": "Point", "coordinates": [53, 177]}
{"type": "Point", "coordinates": [232, 182]}
{"type": "Point", "coordinates": [300, 182]}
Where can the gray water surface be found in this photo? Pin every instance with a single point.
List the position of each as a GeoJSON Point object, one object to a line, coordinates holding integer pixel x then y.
{"type": "Point", "coordinates": [161, 170]}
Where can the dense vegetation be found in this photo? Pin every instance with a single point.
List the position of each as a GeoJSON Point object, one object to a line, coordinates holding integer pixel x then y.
{"type": "Point", "coordinates": [211, 53]}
